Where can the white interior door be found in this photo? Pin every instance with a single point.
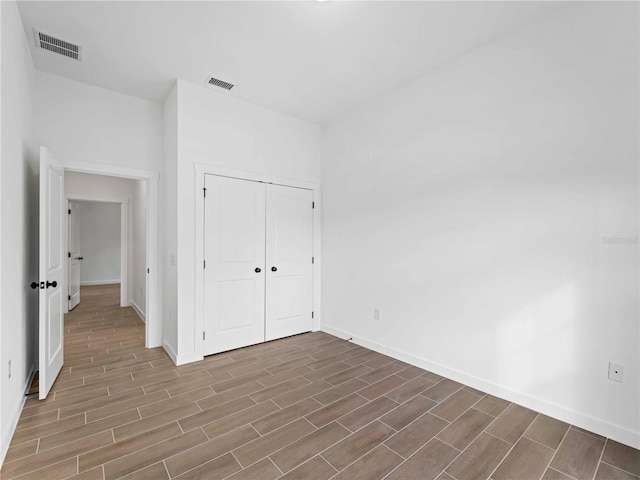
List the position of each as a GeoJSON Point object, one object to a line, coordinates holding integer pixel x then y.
{"type": "Point", "coordinates": [289, 251]}
{"type": "Point", "coordinates": [51, 351]}
{"type": "Point", "coordinates": [234, 276]}
{"type": "Point", "coordinates": [74, 255]}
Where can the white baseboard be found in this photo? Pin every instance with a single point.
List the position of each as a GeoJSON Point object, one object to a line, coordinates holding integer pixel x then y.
{"type": "Point", "coordinates": [188, 358]}
{"type": "Point", "coordinates": [170, 351]}
{"type": "Point", "coordinates": [615, 432]}
{"type": "Point", "coordinates": [100, 282]}
{"type": "Point", "coordinates": [138, 310]}
{"type": "Point", "coordinates": [180, 359]}
{"type": "Point", "coordinates": [6, 439]}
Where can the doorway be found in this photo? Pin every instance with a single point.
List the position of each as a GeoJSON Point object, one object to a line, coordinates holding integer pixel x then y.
{"type": "Point", "coordinates": [98, 248]}
{"type": "Point", "coordinates": [142, 259]}
{"type": "Point", "coordinates": [55, 194]}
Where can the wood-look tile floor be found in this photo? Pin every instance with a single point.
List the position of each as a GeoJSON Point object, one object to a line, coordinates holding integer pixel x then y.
{"type": "Point", "coordinates": [305, 407]}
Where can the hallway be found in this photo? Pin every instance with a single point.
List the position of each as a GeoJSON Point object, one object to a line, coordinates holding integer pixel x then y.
{"type": "Point", "coordinates": [310, 406]}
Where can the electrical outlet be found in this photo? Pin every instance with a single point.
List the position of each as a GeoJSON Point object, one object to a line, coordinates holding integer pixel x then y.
{"type": "Point", "coordinates": [9, 368]}
{"type": "Point", "coordinates": [616, 372]}
{"type": "Point", "coordinates": [376, 314]}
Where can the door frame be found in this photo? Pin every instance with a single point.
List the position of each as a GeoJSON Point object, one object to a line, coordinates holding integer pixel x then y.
{"type": "Point", "coordinates": [202, 169]}
{"type": "Point", "coordinates": [153, 318]}
{"type": "Point", "coordinates": [124, 241]}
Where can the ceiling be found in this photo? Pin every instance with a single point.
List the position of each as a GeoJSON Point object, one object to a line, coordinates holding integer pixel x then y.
{"type": "Point", "coordinates": [313, 60]}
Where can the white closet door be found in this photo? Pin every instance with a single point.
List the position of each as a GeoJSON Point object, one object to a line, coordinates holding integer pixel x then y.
{"type": "Point", "coordinates": [234, 280]}
{"type": "Point", "coordinates": [289, 269]}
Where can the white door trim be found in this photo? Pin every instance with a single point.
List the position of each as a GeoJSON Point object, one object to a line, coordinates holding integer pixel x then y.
{"type": "Point", "coordinates": [153, 325]}
{"type": "Point", "coordinates": [125, 245]}
{"type": "Point", "coordinates": [200, 169]}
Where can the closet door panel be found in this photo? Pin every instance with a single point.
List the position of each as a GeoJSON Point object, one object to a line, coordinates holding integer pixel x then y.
{"type": "Point", "coordinates": [234, 293]}
{"type": "Point", "coordinates": [289, 248]}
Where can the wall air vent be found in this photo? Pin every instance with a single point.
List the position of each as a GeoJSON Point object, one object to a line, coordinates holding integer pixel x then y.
{"type": "Point", "coordinates": [55, 45]}
{"type": "Point", "coordinates": [219, 83]}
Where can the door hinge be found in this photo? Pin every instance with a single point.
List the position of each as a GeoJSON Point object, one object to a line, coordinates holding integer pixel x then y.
{"type": "Point", "coordinates": [203, 335]}
{"type": "Point", "coordinates": [69, 211]}
{"type": "Point", "coordinates": [313, 259]}
{"type": "Point", "coordinates": [147, 270]}
{"type": "Point", "coordinates": [313, 204]}
{"type": "Point", "coordinates": [204, 264]}
{"type": "Point", "coordinates": [205, 192]}
{"type": "Point", "coordinates": [311, 314]}
{"type": "Point", "coordinates": [69, 297]}
{"type": "Point", "coordinates": [68, 254]}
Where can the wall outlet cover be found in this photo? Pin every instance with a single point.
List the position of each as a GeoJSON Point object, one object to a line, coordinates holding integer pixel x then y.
{"type": "Point", "coordinates": [616, 372]}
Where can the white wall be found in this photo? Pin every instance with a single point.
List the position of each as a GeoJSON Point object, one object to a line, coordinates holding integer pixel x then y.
{"type": "Point", "coordinates": [139, 277]}
{"type": "Point", "coordinates": [168, 225]}
{"type": "Point", "coordinates": [471, 207]}
{"type": "Point", "coordinates": [84, 123]}
{"type": "Point", "coordinates": [99, 243]}
{"type": "Point", "coordinates": [217, 129]}
{"type": "Point", "coordinates": [98, 186]}
{"type": "Point", "coordinates": [19, 215]}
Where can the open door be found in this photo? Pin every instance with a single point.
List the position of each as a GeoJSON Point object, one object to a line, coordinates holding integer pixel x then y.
{"type": "Point", "coordinates": [74, 255]}
{"type": "Point", "coordinates": [51, 352]}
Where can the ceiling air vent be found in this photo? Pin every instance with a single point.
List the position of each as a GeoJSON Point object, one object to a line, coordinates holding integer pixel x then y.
{"type": "Point", "coordinates": [55, 45]}
{"type": "Point", "coordinates": [219, 83]}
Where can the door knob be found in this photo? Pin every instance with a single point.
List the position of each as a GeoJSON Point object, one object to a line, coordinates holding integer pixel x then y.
{"type": "Point", "coordinates": [274, 269]}
{"type": "Point", "coordinates": [79, 258]}
{"type": "Point", "coordinates": [53, 284]}
{"type": "Point", "coordinates": [34, 285]}
{"type": "Point", "coordinates": [258, 270]}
